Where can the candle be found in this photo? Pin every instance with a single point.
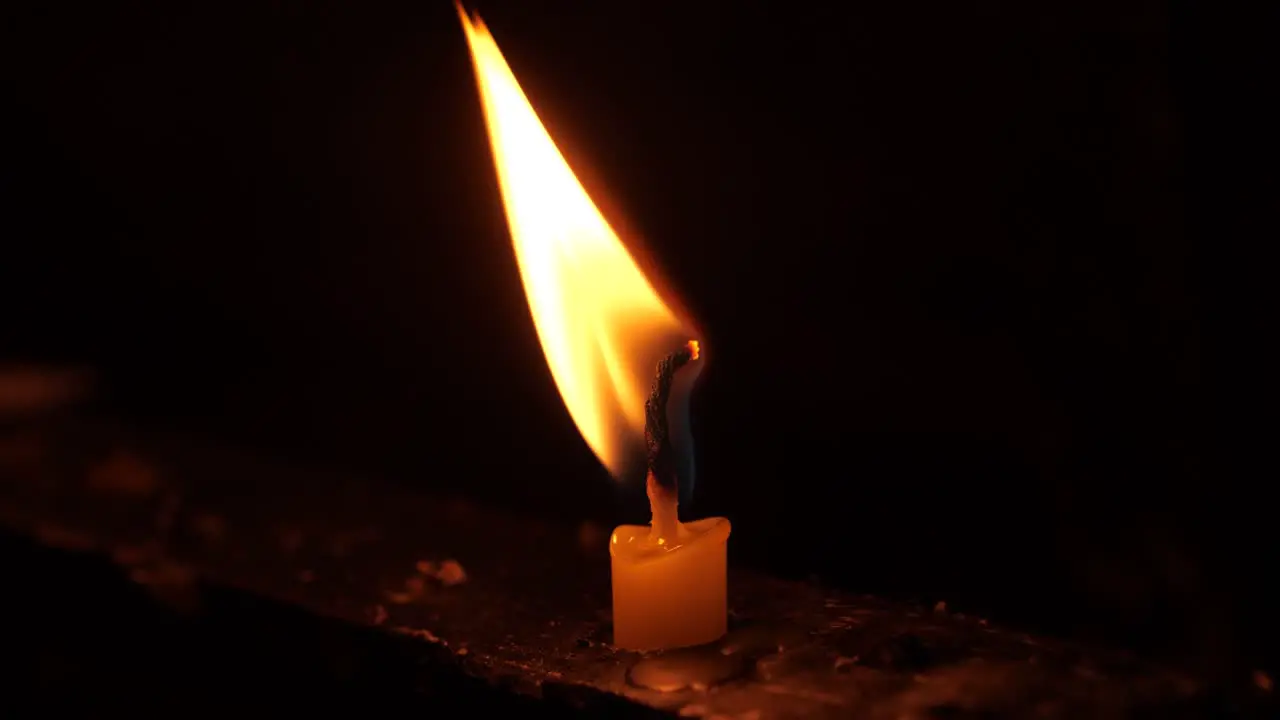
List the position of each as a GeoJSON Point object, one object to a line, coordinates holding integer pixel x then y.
{"type": "Point", "coordinates": [669, 594]}
{"type": "Point", "coordinates": [603, 329]}
{"type": "Point", "coordinates": [669, 577]}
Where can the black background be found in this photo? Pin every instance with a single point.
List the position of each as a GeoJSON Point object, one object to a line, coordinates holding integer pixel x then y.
{"type": "Point", "coordinates": [949, 261]}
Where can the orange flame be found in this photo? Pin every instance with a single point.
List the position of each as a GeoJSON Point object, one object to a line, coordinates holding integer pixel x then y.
{"type": "Point", "coordinates": [602, 326]}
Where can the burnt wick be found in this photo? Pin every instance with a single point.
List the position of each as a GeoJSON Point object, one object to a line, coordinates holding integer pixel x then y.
{"type": "Point", "coordinates": [663, 481]}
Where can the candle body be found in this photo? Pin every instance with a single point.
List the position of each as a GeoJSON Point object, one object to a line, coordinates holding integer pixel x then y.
{"type": "Point", "coordinates": [669, 594]}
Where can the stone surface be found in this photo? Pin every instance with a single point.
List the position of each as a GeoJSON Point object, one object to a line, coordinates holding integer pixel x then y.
{"type": "Point", "coordinates": [478, 593]}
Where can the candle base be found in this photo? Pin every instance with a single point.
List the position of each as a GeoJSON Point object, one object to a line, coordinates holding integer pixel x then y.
{"type": "Point", "coordinates": [670, 594]}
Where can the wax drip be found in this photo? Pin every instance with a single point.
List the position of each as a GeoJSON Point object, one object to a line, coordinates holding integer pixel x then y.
{"type": "Point", "coordinates": [664, 463]}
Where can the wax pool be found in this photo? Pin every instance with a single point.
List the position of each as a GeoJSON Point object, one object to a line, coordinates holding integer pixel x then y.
{"type": "Point", "coordinates": [670, 593]}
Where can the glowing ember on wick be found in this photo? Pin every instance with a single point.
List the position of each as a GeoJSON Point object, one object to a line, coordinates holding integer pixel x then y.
{"type": "Point", "coordinates": [603, 329]}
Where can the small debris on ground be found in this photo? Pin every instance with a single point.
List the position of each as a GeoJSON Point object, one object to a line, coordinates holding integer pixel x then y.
{"type": "Point", "coordinates": [447, 573]}
{"type": "Point", "coordinates": [418, 633]}
{"type": "Point", "coordinates": [451, 573]}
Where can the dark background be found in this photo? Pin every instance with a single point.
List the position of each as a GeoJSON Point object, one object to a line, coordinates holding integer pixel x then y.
{"type": "Point", "coordinates": [949, 260]}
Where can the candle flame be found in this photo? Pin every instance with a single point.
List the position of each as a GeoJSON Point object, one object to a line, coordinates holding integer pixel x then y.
{"type": "Point", "coordinates": [602, 326]}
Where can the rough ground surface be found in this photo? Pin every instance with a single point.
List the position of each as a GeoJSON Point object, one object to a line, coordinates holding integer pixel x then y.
{"type": "Point", "coordinates": [311, 587]}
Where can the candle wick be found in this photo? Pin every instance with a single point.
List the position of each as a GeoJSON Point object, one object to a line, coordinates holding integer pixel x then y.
{"type": "Point", "coordinates": [663, 481]}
